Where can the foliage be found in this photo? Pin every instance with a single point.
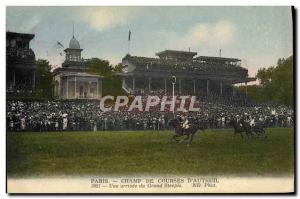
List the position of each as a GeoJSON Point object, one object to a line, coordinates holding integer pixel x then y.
{"type": "Point", "coordinates": [112, 84]}
{"type": "Point", "coordinates": [44, 80]}
{"type": "Point", "coordinates": [276, 83]}
{"type": "Point", "coordinates": [118, 68]}
{"type": "Point", "coordinates": [99, 67]}
{"type": "Point", "coordinates": [214, 152]}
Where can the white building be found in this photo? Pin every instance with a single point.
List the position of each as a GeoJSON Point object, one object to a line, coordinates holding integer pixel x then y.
{"type": "Point", "coordinates": [72, 80]}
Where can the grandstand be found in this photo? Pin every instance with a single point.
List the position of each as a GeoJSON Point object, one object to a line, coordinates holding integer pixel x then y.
{"type": "Point", "coordinates": [20, 64]}
{"type": "Point", "coordinates": [197, 75]}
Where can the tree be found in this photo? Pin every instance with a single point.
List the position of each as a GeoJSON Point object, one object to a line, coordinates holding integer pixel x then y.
{"type": "Point", "coordinates": [118, 68]}
{"type": "Point", "coordinates": [99, 67]}
{"type": "Point", "coordinates": [112, 84]}
{"type": "Point", "coordinates": [265, 75]}
{"type": "Point", "coordinates": [282, 82]}
{"type": "Point", "coordinates": [276, 83]}
{"type": "Point", "coordinates": [44, 80]}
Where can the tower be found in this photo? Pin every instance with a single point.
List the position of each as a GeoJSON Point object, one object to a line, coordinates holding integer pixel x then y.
{"type": "Point", "coordinates": [73, 54]}
{"type": "Point", "coordinates": [72, 80]}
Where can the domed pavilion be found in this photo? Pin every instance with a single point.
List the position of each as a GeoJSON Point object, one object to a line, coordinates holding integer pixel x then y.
{"type": "Point", "coordinates": [72, 81]}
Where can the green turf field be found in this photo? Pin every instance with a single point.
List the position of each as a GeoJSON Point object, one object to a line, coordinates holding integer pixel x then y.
{"type": "Point", "coordinates": [215, 152]}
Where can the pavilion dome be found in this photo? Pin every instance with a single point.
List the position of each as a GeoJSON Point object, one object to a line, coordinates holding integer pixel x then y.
{"type": "Point", "coordinates": [74, 44]}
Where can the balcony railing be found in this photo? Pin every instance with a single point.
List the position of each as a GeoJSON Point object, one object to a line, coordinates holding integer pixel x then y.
{"type": "Point", "coordinates": [20, 53]}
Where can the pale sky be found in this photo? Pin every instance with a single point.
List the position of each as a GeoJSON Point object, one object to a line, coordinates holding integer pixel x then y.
{"type": "Point", "coordinates": [256, 35]}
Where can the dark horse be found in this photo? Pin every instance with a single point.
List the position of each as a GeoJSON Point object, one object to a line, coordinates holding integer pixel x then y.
{"type": "Point", "coordinates": [259, 130]}
{"type": "Point", "coordinates": [189, 133]}
{"type": "Point", "coordinates": [240, 127]}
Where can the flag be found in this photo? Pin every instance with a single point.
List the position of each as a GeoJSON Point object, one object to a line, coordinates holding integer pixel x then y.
{"type": "Point", "coordinates": [59, 44]}
{"type": "Point", "coordinates": [129, 35]}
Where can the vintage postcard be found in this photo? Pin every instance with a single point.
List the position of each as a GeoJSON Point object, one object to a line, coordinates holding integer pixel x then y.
{"type": "Point", "coordinates": [157, 99]}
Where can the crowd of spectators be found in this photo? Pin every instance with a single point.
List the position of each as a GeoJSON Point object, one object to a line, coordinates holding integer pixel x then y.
{"type": "Point", "coordinates": [215, 112]}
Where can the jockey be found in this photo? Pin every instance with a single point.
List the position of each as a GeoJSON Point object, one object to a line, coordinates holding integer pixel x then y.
{"type": "Point", "coordinates": [185, 122]}
{"type": "Point", "coordinates": [252, 122]}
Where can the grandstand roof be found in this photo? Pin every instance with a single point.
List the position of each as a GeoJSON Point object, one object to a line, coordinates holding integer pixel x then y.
{"type": "Point", "coordinates": [208, 58]}
{"type": "Point", "coordinates": [81, 74]}
{"type": "Point", "coordinates": [176, 52]}
{"type": "Point", "coordinates": [192, 64]}
{"type": "Point", "coordinates": [16, 34]}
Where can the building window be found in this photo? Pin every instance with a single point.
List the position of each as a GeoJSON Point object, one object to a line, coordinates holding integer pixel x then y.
{"type": "Point", "coordinates": [13, 43]}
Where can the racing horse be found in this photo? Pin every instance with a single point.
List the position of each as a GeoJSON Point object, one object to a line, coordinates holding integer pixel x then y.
{"type": "Point", "coordinates": [240, 127]}
{"type": "Point", "coordinates": [189, 132]}
{"type": "Point", "coordinates": [259, 130]}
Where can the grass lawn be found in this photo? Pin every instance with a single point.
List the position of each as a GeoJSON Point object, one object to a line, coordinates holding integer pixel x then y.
{"type": "Point", "coordinates": [214, 152]}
